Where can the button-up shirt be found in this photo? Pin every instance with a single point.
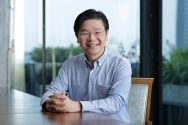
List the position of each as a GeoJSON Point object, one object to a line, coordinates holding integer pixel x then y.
{"type": "Point", "coordinates": [101, 88]}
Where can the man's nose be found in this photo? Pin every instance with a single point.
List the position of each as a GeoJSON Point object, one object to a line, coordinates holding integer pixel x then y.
{"type": "Point", "coordinates": [92, 35]}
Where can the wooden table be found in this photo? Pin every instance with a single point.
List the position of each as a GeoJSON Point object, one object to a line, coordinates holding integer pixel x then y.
{"type": "Point", "coordinates": [19, 108]}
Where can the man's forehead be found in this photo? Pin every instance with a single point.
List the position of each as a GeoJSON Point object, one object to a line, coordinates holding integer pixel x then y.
{"type": "Point", "coordinates": [91, 29]}
{"type": "Point", "coordinates": [92, 25]}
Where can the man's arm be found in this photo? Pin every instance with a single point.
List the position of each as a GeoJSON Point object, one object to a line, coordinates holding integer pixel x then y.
{"type": "Point", "coordinates": [58, 85]}
{"type": "Point", "coordinates": [116, 99]}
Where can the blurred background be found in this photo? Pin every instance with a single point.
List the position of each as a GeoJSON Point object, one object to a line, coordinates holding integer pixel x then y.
{"type": "Point", "coordinates": [37, 36]}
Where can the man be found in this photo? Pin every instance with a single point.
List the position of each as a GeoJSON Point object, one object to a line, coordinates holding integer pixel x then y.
{"type": "Point", "coordinates": [95, 80]}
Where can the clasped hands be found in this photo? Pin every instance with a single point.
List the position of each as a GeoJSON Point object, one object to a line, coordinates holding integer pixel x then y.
{"type": "Point", "coordinates": [59, 102]}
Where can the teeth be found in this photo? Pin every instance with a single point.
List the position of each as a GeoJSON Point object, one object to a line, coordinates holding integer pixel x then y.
{"type": "Point", "coordinates": [92, 45]}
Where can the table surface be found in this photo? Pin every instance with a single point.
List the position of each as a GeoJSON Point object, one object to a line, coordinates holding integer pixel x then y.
{"type": "Point", "coordinates": [19, 108]}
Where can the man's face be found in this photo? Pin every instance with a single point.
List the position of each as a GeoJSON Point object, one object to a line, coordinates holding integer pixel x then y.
{"type": "Point", "coordinates": [92, 37]}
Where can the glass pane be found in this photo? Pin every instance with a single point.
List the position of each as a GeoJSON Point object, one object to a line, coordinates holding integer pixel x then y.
{"type": "Point", "coordinates": [28, 36]}
{"type": "Point", "coordinates": [124, 20]}
{"type": "Point", "coordinates": [175, 58]}
{"type": "Point", "coordinates": [124, 38]}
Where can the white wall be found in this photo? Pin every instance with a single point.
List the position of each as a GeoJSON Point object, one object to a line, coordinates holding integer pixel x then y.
{"type": "Point", "coordinates": [4, 40]}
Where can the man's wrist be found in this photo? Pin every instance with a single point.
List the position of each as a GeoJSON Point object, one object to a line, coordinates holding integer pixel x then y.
{"type": "Point", "coordinates": [77, 106]}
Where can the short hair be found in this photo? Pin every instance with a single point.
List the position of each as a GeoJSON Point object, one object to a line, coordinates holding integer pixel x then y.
{"type": "Point", "coordinates": [90, 14]}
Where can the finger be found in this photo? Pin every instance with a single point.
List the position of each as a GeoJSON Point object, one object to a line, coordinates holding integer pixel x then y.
{"type": "Point", "coordinates": [58, 96]}
{"type": "Point", "coordinates": [54, 105]}
{"type": "Point", "coordinates": [57, 102]}
{"type": "Point", "coordinates": [61, 109]}
{"type": "Point", "coordinates": [50, 108]}
{"type": "Point", "coordinates": [54, 108]}
{"type": "Point", "coordinates": [61, 97]}
{"type": "Point", "coordinates": [64, 109]}
{"type": "Point", "coordinates": [54, 95]}
{"type": "Point", "coordinates": [50, 101]}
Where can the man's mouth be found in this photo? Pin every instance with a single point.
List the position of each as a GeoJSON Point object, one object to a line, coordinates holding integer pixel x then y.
{"type": "Point", "coordinates": [92, 45]}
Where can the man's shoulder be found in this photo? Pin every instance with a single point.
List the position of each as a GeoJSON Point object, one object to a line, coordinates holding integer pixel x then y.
{"type": "Point", "coordinates": [75, 59]}
{"type": "Point", "coordinates": [73, 62]}
{"type": "Point", "coordinates": [117, 57]}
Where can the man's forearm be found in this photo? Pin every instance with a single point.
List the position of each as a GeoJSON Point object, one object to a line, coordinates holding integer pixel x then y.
{"type": "Point", "coordinates": [107, 105]}
{"type": "Point", "coordinates": [66, 106]}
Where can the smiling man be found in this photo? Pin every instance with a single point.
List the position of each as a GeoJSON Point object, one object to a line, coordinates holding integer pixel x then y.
{"type": "Point", "coordinates": [94, 81]}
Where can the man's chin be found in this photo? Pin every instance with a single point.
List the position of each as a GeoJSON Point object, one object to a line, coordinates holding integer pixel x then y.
{"type": "Point", "coordinates": [92, 52]}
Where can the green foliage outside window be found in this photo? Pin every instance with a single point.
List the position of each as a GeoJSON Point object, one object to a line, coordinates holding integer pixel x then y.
{"type": "Point", "coordinates": [61, 53]}
{"type": "Point", "coordinates": [175, 69]}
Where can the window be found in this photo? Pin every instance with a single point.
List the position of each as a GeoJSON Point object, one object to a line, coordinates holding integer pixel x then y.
{"type": "Point", "coordinates": [28, 38]}
{"type": "Point", "coordinates": [124, 37]}
{"type": "Point", "coordinates": [175, 58]}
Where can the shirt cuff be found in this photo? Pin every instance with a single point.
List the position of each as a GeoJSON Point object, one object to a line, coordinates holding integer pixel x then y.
{"type": "Point", "coordinates": [86, 106]}
{"type": "Point", "coordinates": [45, 97]}
{"type": "Point", "coordinates": [44, 107]}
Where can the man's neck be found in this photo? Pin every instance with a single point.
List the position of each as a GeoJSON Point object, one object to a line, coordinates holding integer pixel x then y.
{"type": "Point", "coordinates": [92, 59]}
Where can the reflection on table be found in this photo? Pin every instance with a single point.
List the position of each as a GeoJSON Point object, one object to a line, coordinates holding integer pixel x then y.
{"type": "Point", "coordinates": [81, 119]}
{"type": "Point", "coordinates": [19, 108]}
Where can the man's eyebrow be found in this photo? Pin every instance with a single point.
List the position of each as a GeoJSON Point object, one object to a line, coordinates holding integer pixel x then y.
{"type": "Point", "coordinates": [82, 30]}
{"type": "Point", "coordinates": [95, 29]}
{"type": "Point", "coordinates": [98, 29]}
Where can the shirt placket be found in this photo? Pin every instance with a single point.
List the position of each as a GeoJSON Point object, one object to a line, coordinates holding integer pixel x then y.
{"type": "Point", "coordinates": [90, 84]}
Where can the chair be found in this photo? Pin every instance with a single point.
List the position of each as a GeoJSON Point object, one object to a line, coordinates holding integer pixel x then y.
{"type": "Point", "coordinates": [140, 101]}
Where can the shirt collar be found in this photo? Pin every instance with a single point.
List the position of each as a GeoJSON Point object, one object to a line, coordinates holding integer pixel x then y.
{"type": "Point", "coordinates": [102, 58]}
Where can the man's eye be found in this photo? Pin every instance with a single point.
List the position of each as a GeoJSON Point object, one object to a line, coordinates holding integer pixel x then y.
{"type": "Point", "coordinates": [84, 33]}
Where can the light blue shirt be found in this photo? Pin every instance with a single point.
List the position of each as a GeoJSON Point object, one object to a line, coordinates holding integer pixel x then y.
{"type": "Point", "coordinates": [101, 88]}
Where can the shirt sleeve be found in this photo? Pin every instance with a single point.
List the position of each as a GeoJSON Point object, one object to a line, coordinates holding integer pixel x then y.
{"type": "Point", "coordinates": [58, 85]}
{"type": "Point", "coordinates": [118, 94]}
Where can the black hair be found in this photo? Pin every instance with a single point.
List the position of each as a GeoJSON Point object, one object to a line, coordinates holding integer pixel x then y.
{"type": "Point", "coordinates": [90, 14]}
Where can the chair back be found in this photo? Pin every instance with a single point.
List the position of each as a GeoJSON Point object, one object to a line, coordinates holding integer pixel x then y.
{"type": "Point", "coordinates": [140, 101]}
